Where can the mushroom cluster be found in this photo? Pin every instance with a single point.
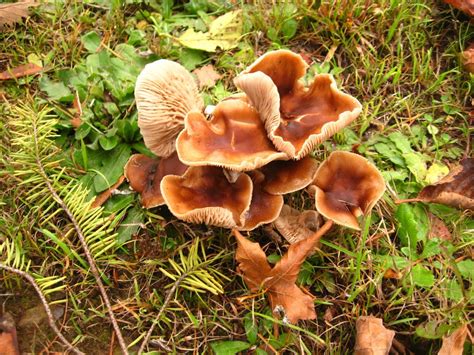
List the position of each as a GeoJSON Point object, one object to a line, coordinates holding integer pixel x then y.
{"type": "Point", "coordinates": [229, 165]}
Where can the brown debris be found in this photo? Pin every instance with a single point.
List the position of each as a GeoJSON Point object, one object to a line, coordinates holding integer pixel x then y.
{"type": "Point", "coordinates": [372, 337]}
{"type": "Point", "coordinates": [13, 12]}
{"type": "Point", "coordinates": [454, 344]}
{"type": "Point", "coordinates": [104, 196]}
{"type": "Point", "coordinates": [21, 71]}
{"type": "Point", "coordinates": [8, 337]}
{"type": "Point", "coordinates": [206, 76]}
{"type": "Point", "coordinates": [294, 225]}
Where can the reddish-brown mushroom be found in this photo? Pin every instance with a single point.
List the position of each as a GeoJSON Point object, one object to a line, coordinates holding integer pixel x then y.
{"type": "Point", "coordinates": [347, 186]}
{"type": "Point", "coordinates": [283, 177]}
{"type": "Point", "coordinates": [203, 195]}
{"type": "Point", "coordinates": [296, 119]}
{"type": "Point", "coordinates": [294, 225]}
{"type": "Point", "coordinates": [165, 93]}
{"type": "Point", "coordinates": [145, 174]}
{"type": "Point", "coordinates": [234, 138]}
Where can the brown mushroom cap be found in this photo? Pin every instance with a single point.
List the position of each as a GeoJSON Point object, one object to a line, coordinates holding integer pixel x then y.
{"type": "Point", "coordinates": [264, 207]}
{"type": "Point", "coordinates": [203, 195]}
{"type": "Point", "coordinates": [283, 177]}
{"type": "Point", "coordinates": [234, 138]}
{"type": "Point", "coordinates": [296, 119]}
{"type": "Point", "coordinates": [294, 225]}
{"type": "Point", "coordinates": [145, 174]}
{"type": "Point", "coordinates": [165, 92]}
{"type": "Point", "coordinates": [347, 186]}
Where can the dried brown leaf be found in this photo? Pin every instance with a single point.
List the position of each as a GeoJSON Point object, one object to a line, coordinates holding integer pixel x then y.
{"type": "Point", "coordinates": [8, 338]}
{"type": "Point", "coordinates": [76, 121]}
{"type": "Point", "coordinates": [14, 12]}
{"type": "Point", "coordinates": [372, 337]}
{"type": "Point", "coordinates": [207, 76]}
{"type": "Point", "coordinates": [392, 274]}
{"type": "Point", "coordinates": [104, 196]}
{"type": "Point", "coordinates": [455, 189]}
{"type": "Point", "coordinates": [279, 282]}
{"type": "Point", "coordinates": [438, 229]}
{"type": "Point", "coordinates": [467, 58]}
{"type": "Point", "coordinates": [294, 225]}
{"type": "Point", "coordinates": [454, 344]}
{"type": "Point", "coordinates": [466, 6]}
{"type": "Point", "coordinates": [20, 71]}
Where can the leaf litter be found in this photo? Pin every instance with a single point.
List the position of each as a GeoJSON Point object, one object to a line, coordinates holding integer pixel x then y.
{"type": "Point", "coordinates": [14, 12]}
{"type": "Point", "coordinates": [372, 337]}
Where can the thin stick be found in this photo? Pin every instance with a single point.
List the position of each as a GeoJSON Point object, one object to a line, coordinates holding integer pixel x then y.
{"type": "Point", "coordinates": [158, 316]}
{"type": "Point", "coordinates": [90, 259]}
{"type": "Point", "coordinates": [49, 314]}
{"type": "Point", "coordinates": [416, 199]}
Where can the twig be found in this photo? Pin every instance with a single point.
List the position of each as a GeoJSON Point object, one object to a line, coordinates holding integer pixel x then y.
{"type": "Point", "coordinates": [90, 259]}
{"type": "Point", "coordinates": [416, 199]}
{"type": "Point", "coordinates": [49, 314]}
{"type": "Point", "coordinates": [158, 316]}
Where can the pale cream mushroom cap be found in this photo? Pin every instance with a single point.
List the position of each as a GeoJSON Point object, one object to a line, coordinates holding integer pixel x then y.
{"type": "Point", "coordinates": [294, 225]}
{"type": "Point", "coordinates": [165, 92]}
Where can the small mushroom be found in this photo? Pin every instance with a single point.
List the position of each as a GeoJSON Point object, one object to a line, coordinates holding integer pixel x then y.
{"type": "Point", "coordinates": [296, 118]}
{"type": "Point", "coordinates": [165, 93]}
{"type": "Point", "coordinates": [294, 225]}
{"type": "Point", "coordinates": [347, 186]}
{"type": "Point", "coordinates": [145, 174]}
{"type": "Point", "coordinates": [283, 177]}
{"type": "Point", "coordinates": [203, 195]}
{"type": "Point", "coordinates": [234, 138]}
{"type": "Point", "coordinates": [264, 207]}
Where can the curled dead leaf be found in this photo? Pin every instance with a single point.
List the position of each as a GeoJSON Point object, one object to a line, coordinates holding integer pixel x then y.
{"type": "Point", "coordinates": [104, 196]}
{"type": "Point", "coordinates": [207, 76]}
{"type": "Point", "coordinates": [438, 229]}
{"type": "Point", "coordinates": [392, 274]}
{"type": "Point", "coordinates": [454, 344]}
{"type": "Point", "coordinates": [20, 71]}
{"type": "Point", "coordinates": [279, 282]}
{"type": "Point", "coordinates": [294, 225]}
{"type": "Point", "coordinates": [372, 337]}
{"type": "Point", "coordinates": [14, 12]}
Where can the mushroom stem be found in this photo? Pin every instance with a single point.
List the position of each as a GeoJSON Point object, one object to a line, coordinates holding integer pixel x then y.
{"type": "Point", "coordinates": [231, 175]}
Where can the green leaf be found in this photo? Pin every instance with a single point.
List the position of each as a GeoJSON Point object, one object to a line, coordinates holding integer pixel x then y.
{"type": "Point", "coordinates": [466, 268]}
{"type": "Point", "coordinates": [191, 58]}
{"type": "Point", "coordinates": [390, 152]}
{"type": "Point", "coordinates": [288, 29]}
{"type": "Point", "coordinates": [56, 90]}
{"type": "Point", "coordinates": [130, 225]}
{"type": "Point", "coordinates": [401, 142]}
{"type": "Point", "coordinates": [108, 143]}
{"type": "Point", "coordinates": [432, 330]}
{"type": "Point", "coordinates": [416, 164]}
{"type": "Point", "coordinates": [224, 32]}
{"type": "Point", "coordinates": [431, 249]}
{"type": "Point", "coordinates": [453, 290]}
{"type": "Point", "coordinates": [82, 131]}
{"type": "Point", "coordinates": [91, 41]}
{"type": "Point", "coordinates": [436, 172]}
{"type": "Point", "coordinates": [112, 167]}
{"type": "Point", "coordinates": [251, 328]}
{"type": "Point", "coordinates": [422, 277]}
{"type": "Point", "coordinates": [229, 347]}
{"type": "Point", "coordinates": [413, 224]}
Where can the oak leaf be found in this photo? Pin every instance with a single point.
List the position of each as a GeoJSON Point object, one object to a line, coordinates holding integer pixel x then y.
{"type": "Point", "coordinates": [372, 337]}
{"type": "Point", "coordinates": [206, 76]}
{"type": "Point", "coordinates": [456, 189]}
{"type": "Point", "coordinates": [20, 71]}
{"type": "Point", "coordinates": [279, 282]}
{"type": "Point", "coordinates": [454, 344]}
{"type": "Point", "coordinates": [14, 12]}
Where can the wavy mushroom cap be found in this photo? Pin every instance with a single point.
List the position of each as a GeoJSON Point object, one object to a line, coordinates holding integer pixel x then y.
{"type": "Point", "coordinates": [144, 175]}
{"type": "Point", "coordinates": [347, 186]}
{"type": "Point", "coordinates": [234, 138]}
{"type": "Point", "coordinates": [203, 195]}
{"type": "Point", "coordinates": [264, 208]}
{"type": "Point", "coordinates": [294, 225]}
{"type": "Point", "coordinates": [296, 118]}
{"type": "Point", "coordinates": [165, 93]}
{"type": "Point", "coordinates": [283, 177]}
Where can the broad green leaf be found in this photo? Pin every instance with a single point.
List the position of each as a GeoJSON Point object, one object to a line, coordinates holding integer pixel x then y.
{"type": "Point", "coordinates": [251, 328]}
{"type": "Point", "coordinates": [421, 276]}
{"type": "Point", "coordinates": [91, 41]}
{"type": "Point", "coordinates": [229, 347]}
{"type": "Point", "coordinates": [112, 167]}
{"type": "Point", "coordinates": [391, 153]}
{"type": "Point", "coordinates": [56, 90]}
{"type": "Point", "coordinates": [433, 330]}
{"type": "Point", "coordinates": [401, 142]}
{"type": "Point", "coordinates": [466, 268]}
{"type": "Point", "coordinates": [413, 224]}
{"type": "Point", "coordinates": [453, 290]}
{"type": "Point", "coordinates": [82, 131]}
{"type": "Point", "coordinates": [394, 175]}
{"type": "Point", "coordinates": [130, 225]}
{"type": "Point", "coordinates": [431, 248]}
{"type": "Point", "coordinates": [288, 29]}
{"type": "Point", "coordinates": [191, 58]}
{"type": "Point", "coordinates": [108, 143]}
{"type": "Point", "coordinates": [224, 32]}
{"type": "Point", "coordinates": [416, 164]}
{"type": "Point", "coordinates": [436, 172]}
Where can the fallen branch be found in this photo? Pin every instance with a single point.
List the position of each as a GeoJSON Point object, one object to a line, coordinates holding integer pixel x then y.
{"type": "Point", "coordinates": [49, 314]}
